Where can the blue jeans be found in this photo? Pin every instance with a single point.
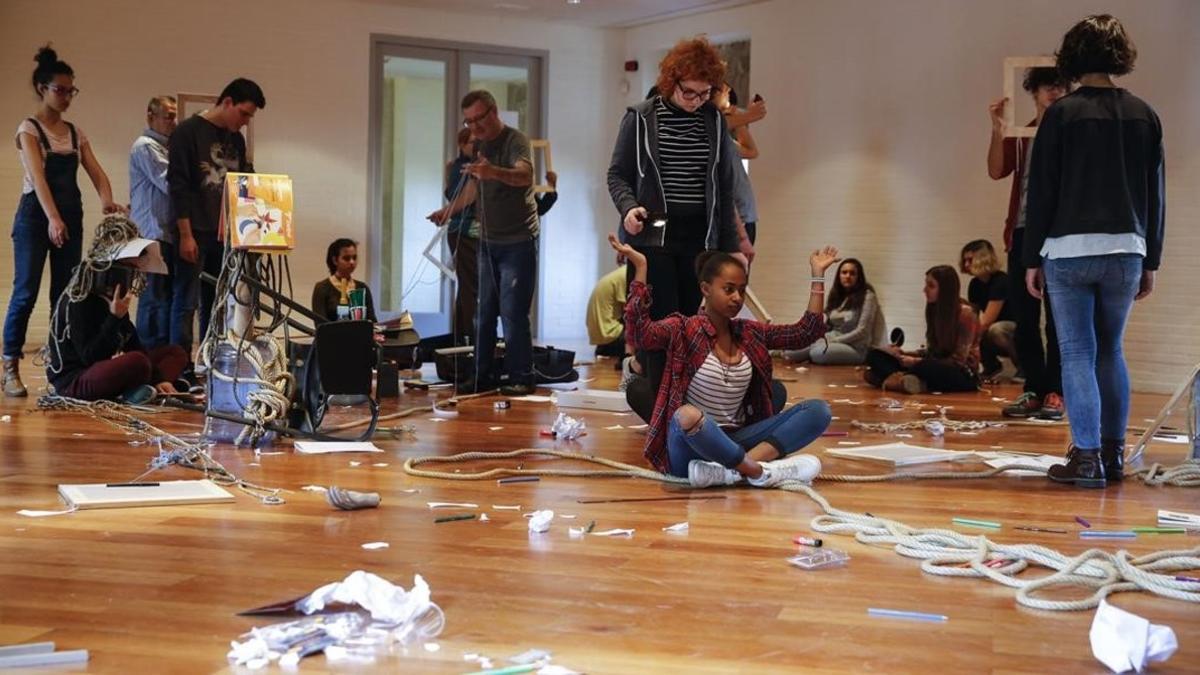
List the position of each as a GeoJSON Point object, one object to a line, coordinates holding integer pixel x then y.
{"type": "Point", "coordinates": [187, 290]}
{"type": "Point", "coordinates": [788, 431]}
{"type": "Point", "coordinates": [154, 304]}
{"type": "Point", "coordinates": [31, 247]}
{"type": "Point", "coordinates": [507, 275]}
{"type": "Point", "coordinates": [1091, 297]}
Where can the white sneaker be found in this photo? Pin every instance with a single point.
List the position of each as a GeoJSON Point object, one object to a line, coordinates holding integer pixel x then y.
{"type": "Point", "coordinates": [702, 474]}
{"type": "Point", "coordinates": [801, 468]}
{"type": "Point", "coordinates": [627, 374]}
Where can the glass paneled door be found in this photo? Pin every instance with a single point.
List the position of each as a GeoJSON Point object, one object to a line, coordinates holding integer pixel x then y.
{"type": "Point", "coordinates": [417, 86]}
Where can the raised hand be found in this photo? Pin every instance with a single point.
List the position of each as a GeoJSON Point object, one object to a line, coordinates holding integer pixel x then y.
{"type": "Point", "coordinates": [996, 111]}
{"type": "Point", "coordinates": [822, 258]}
{"type": "Point", "coordinates": [635, 257]}
{"type": "Point", "coordinates": [119, 304]}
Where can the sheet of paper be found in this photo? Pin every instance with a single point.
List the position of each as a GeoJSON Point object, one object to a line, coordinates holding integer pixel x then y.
{"type": "Point", "coordinates": [327, 447]}
{"type": "Point", "coordinates": [614, 533]}
{"type": "Point", "coordinates": [1124, 641]}
{"type": "Point", "coordinates": [452, 505]}
{"type": "Point", "coordinates": [998, 460]}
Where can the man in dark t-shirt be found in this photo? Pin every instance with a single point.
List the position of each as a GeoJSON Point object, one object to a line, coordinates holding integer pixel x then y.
{"type": "Point", "coordinates": [202, 150]}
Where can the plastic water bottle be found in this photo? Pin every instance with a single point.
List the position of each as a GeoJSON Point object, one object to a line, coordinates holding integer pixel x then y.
{"type": "Point", "coordinates": [225, 397]}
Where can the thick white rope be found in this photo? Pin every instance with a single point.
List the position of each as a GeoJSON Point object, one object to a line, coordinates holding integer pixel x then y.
{"type": "Point", "coordinates": [942, 552]}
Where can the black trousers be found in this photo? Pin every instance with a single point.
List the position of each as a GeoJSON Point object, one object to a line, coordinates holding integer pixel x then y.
{"type": "Point", "coordinates": [937, 374]}
{"type": "Point", "coordinates": [1040, 361]}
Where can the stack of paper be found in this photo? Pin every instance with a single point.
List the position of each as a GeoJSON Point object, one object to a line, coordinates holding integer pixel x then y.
{"type": "Point", "coordinates": [1177, 519]}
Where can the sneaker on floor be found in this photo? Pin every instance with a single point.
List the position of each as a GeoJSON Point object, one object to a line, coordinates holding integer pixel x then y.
{"type": "Point", "coordinates": [702, 474]}
{"type": "Point", "coordinates": [798, 467]}
{"type": "Point", "coordinates": [519, 389]}
{"type": "Point", "coordinates": [627, 373]}
{"type": "Point", "coordinates": [138, 395]}
{"type": "Point", "coordinates": [1027, 405]}
{"type": "Point", "coordinates": [187, 383]}
{"type": "Point", "coordinates": [1052, 408]}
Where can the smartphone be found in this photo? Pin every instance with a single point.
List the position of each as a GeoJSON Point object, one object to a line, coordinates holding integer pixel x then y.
{"type": "Point", "coordinates": [655, 228]}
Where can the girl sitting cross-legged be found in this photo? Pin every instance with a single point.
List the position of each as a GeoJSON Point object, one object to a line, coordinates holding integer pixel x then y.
{"type": "Point", "coordinates": [713, 419]}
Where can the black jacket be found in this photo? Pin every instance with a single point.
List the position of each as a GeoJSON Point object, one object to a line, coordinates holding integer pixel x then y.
{"type": "Point", "coordinates": [95, 335]}
{"type": "Point", "coordinates": [1097, 168]}
{"type": "Point", "coordinates": [634, 180]}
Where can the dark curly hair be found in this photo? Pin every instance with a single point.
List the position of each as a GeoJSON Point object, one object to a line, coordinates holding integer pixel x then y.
{"type": "Point", "coordinates": [694, 59]}
{"type": "Point", "coordinates": [48, 66]}
{"type": "Point", "coordinates": [335, 250]}
{"type": "Point", "coordinates": [1044, 76]}
{"type": "Point", "coordinates": [1098, 44]}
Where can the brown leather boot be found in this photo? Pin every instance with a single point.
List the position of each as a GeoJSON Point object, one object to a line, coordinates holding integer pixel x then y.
{"type": "Point", "coordinates": [1112, 454]}
{"type": "Point", "coordinates": [905, 383]}
{"type": "Point", "coordinates": [12, 379]}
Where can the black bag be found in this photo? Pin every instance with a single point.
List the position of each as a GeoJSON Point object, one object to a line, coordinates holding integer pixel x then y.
{"type": "Point", "coordinates": [549, 364]}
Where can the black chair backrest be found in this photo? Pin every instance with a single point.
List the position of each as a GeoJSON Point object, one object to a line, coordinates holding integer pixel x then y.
{"type": "Point", "coordinates": [346, 354]}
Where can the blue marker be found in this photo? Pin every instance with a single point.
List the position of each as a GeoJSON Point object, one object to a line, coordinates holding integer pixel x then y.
{"type": "Point", "coordinates": [1109, 534]}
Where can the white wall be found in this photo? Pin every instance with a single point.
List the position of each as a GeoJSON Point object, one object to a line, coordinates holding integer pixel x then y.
{"type": "Point", "coordinates": [311, 58]}
{"type": "Point", "coordinates": [877, 135]}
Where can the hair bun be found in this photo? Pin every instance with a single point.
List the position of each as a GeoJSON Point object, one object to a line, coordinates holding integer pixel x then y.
{"type": "Point", "coordinates": [46, 56]}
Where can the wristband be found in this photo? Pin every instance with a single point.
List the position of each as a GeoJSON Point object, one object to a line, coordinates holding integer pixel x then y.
{"type": "Point", "coordinates": [816, 279]}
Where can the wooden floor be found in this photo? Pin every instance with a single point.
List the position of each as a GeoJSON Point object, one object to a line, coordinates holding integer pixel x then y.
{"type": "Point", "coordinates": [156, 590]}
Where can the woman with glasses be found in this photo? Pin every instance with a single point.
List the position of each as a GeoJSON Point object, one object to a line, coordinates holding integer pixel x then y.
{"type": "Point", "coordinates": [49, 218]}
{"type": "Point", "coordinates": [671, 179]}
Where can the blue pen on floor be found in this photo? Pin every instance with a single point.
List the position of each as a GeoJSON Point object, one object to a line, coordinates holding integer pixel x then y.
{"type": "Point", "coordinates": [1107, 534]}
{"type": "Point", "coordinates": [901, 614]}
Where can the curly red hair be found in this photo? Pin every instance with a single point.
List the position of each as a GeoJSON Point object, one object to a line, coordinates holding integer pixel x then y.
{"type": "Point", "coordinates": [694, 59]}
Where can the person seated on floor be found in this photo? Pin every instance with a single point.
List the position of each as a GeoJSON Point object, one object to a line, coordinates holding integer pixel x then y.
{"type": "Point", "coordinates": [713, 420]}
{"type": "Point", "coordinates": [853, 320]}
{"type": "Point", "coordinates": [331, 297]}
{"type": "Point", "coordinates": [950, 359]}
{"type": "Point", "coordinates": [605, 311]}
{"type": "Point", "coordinates": [988, 293]}
{"type": "Point", "coordinates": [95, 352]}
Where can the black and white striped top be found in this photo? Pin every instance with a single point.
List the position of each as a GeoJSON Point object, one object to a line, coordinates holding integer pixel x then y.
{"type": "Point", "coordinates": [683, 154]}
{"type": "Point", "coordinates": [718, 389]}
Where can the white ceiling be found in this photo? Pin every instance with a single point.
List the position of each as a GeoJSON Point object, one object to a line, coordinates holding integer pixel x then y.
{"type": "Point", "coordinates": [595, 13]}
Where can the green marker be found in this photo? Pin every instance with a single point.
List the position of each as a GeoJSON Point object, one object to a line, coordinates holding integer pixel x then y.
{"type": "Point", "coordinates": [1160, 530]}
{"type": "Point", "coordinates": [976, 523]}
{"type": "Point", "coordinates": [450, 519]}
{"type": "Point", "coordinates": [511, 670]}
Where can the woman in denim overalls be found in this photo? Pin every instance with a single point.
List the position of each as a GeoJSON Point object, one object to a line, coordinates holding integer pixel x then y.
{"type": "Point", "coordinates": [49, 218]}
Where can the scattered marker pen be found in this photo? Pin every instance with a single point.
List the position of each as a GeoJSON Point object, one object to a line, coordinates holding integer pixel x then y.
{"type": "Point", "coordinates": [976, 523]}
{"type": "Point", "coordinates": [900, 614]}
{"type": "Point", "coordinates": [806, 541]}
{"type": "Point", "coordinates": [1082, 522]}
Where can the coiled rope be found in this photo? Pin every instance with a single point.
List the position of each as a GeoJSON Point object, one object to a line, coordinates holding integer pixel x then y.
{"type": "Point", "coordinates": [172, 449]}
{"type": "Point", "coordinates": [942, 552]}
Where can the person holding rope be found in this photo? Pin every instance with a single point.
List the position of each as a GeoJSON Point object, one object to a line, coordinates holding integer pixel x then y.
{"type": "Point", "coordinates": [713, 420]}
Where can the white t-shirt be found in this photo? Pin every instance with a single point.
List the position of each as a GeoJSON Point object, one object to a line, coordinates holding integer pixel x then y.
{"type": "Point", "coordinates": [718, 389]}
{"type": "Point", "coordinates": [58, 143]}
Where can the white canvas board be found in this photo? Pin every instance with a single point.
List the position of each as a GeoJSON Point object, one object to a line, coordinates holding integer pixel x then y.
{"type": "Point", "coordinates": [142, 254]}
{"type": "Point", "coordinates": [899, 454]}
{"type": "Point", "coordinates": [328, 447]}
{"type": "Point", "coordinates": [167, 493]}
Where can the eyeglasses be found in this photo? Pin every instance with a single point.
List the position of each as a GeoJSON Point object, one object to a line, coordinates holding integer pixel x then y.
{"type": "Point", "coordinates": [69, 92]}
{"type": "Point", "coordinates": [693, 95]}
{"type": "Point", "coordinates": [472, 121]}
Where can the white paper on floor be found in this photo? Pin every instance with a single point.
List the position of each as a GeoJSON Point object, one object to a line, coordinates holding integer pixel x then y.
{"type": "Point", "coordinates": [495, 428]}
{"type": "Point", "coordinates": [534, 398]}
{"type": "Point", "coordinates": [31, 513]}
{"type": "Point", "coordinates": [998, 460]}
{"type": "Point", "coordinates": [315, 488]}
{"type": "Point", "coordinates": [677, 528]}
{"type": "Point", "coordinates": [353, 463]}
{"type": "Point", "coordinates": [539, 521]}
{"type": "Point", "coordinates": [639, 427]}
{"type": "Point", "coordinates": [452, 505]}
{"type": "Point", "coordinates": [1124, 641]}
{"type": "Point", "coordinates": [380, 464]}
{"type": "Point", "coordinates": [327, 447]}
{"type": "Point", "coordinates": [384, 600]}
{"type": "Point", "coordinates": [614, 427]}
{"type": "Point", "coordinates": [614, 533]}
{"type": "Point", "coordinates": [504, 507]}
{"type": "Point", "coordinates": [376, 545]}
{"type": "Point", "coordinates": [437, 419]}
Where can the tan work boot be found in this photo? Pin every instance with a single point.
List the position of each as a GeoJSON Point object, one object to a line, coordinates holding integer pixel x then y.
{"type": "Point", "coordinates": [12, 379]}
{"type": "Point", "coordinates": [905, 383]}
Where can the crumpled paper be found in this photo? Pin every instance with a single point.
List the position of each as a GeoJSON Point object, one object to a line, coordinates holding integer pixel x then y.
{"type": "Point", "coordinates": [385, 601]}
{"type": "Point", "coordinates": [568, 428]}
{"type": "Point", "coordinates": [1124, 641]}
{"type": "Point", "coordinates": [539, 521]}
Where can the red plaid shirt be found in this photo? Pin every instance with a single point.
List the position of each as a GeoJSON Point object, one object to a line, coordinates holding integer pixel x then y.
{"type": "Point", "coordinates": [688, 341]}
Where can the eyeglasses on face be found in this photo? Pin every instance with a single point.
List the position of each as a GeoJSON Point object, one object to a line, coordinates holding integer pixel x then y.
{"type": "Point", "coordinates": [69, 92]}
{"type": "Point", "coordinates": [692, 94]}
{"type": "Point", "coordinates": [472, 121]}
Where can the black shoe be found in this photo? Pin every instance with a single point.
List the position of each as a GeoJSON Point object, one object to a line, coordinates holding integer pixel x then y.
{"type": "Point", "coordinates": [517, 390]}
{"type": "Point", "coordinates": [1083, 468]}
{"type": "Point", "coordinates": [1112, 455]}
{"type": "Point", "coordinates": [187, 383]}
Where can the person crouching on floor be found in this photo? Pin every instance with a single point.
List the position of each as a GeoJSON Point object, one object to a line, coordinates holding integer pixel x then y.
{"type": "Point", "coordinates": [94, 348]}
{"type": "Point", "coordinates": [713, 419]}
{"type": "Point", "coordinates": [950, 359]}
